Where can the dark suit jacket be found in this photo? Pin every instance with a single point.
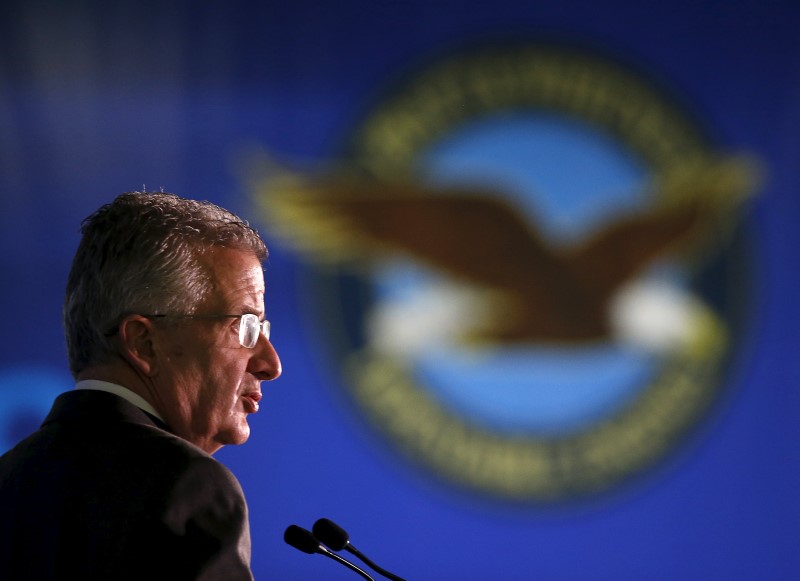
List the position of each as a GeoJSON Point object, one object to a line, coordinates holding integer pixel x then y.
{"type": "Point", "coordinates": [104, 491]}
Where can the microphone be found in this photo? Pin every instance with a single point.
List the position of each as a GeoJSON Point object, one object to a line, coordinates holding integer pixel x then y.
{"type": "Point", "coordinates": [303, 540]}
{"type": "Point", "coordinates": [336, 538]}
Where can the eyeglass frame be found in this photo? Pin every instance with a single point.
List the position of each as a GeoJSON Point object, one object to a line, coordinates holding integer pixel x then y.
{"type": "Point", "coordinates": [264, 327]}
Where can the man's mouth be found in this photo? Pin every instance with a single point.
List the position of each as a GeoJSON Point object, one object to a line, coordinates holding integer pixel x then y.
{"type": "Point", "coordinates": [250, 401]}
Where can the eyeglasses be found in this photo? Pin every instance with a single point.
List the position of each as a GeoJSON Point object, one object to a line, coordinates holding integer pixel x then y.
{"type": "Point", "coordinates": [249, 326]}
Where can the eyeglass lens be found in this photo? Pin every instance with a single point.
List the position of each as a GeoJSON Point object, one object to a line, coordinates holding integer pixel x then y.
{"type": "Point", "coordinates": [249, 329]}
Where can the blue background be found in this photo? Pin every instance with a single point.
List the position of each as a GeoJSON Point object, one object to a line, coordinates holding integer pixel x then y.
{"type": "Point", "coordinates": [97, 98]}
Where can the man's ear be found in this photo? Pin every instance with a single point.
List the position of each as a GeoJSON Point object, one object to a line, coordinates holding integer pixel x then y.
{"type": "Point", "coordinates": [136, 343]}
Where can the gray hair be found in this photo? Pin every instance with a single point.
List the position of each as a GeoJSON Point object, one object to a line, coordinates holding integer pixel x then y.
{"type": "Point", "coordinates": [140, 254]}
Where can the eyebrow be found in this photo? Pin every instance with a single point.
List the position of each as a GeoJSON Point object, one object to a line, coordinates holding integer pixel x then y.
{"type": "Point", "coordinates": [246, 308]}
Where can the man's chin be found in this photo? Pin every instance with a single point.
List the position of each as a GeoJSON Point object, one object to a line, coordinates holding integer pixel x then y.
{"type": "Point", "coordinates": [239, 433]}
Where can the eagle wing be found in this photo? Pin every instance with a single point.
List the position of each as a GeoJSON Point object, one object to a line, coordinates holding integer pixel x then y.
{"type": "Point", "coordinates": [473, 237]}
{"type": "Point", "coordinates": [693, 202]}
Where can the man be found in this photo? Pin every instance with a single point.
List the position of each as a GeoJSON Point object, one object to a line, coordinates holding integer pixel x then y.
{"type": "Point", "coordinates": [164, 321]}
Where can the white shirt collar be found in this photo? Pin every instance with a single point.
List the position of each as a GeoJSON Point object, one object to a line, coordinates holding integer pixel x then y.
{"type": "Point", "coordinates": [122, 392]}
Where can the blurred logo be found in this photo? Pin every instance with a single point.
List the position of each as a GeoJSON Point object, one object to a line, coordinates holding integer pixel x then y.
{"type": "Point", "coordinates": [530, 265]}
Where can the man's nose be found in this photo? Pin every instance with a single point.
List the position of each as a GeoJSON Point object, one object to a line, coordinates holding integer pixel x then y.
{"type": "Point", "coordinates": [265, 363]}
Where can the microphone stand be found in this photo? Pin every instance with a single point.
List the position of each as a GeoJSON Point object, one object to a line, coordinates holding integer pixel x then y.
{"type": "Point", "coordinates": [347, 564]}
{"type": "Point", "coordinates": [371, 564]}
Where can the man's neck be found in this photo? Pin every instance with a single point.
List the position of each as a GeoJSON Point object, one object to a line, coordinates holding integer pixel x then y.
{"type": "Point", "coordinates": [123, 377]}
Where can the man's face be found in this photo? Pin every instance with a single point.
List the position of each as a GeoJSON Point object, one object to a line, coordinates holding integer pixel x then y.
{"type": "Point", "coordinates": [209, 382]}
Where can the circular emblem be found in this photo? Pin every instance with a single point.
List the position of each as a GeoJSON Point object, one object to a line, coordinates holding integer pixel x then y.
{"type": "Point", "coordinates": [529, 267]}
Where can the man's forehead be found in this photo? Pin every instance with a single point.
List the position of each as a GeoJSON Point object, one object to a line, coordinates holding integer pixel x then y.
{"type": "Point", "coordinates": [234, 272]}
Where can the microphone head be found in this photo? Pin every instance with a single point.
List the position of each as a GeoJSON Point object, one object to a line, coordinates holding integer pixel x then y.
{"type": "Point", "coordinates": [334, 536]}
{"type": "Point", "coordinates": [301, 539]}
